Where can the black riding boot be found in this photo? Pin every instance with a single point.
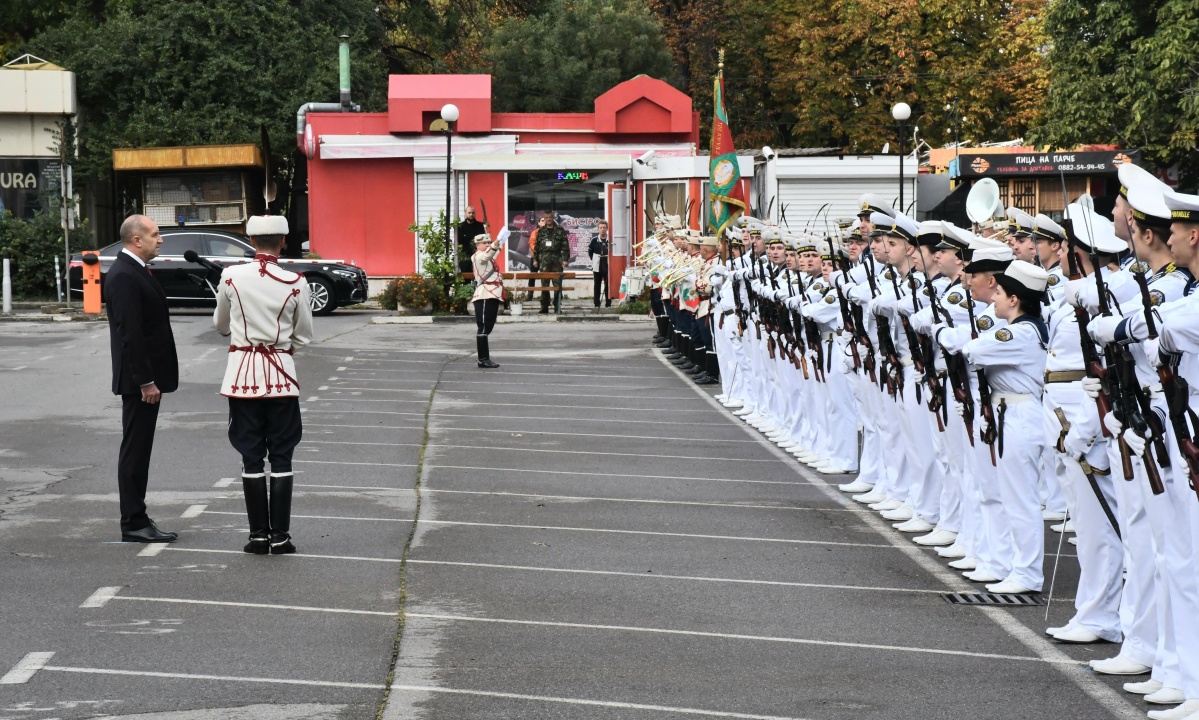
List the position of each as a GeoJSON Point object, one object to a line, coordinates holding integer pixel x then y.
{"type": "Point", "coordinates": [258, 511]}
{"type": "Point", "coordinates": [674, 352]}
{"type": "Point", "coordinates": [709, 374]}
{"type": "Point", "coordinates": [662, 339]}
{"type": "Point", "coordinates": [684, 362]}
{"type": "Point", "coordinates": [484, 352]}
{"type": "Point", "coordinates": [281, 515]}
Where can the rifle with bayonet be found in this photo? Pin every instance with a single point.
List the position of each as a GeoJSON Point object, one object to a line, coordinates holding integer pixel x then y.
{"type": "Point", "coordinates": [847, 318]}
{"type": "Point", "coordinates": [936, 398]}
{"type": "Point", "coordinates": [958, 371]}
{"type": "Point", "coordinates": [988, 434]}
{"type": "Point", "coordinates": [1178, 395]}
{"type": "Point", "coordinates": [1144, 422]}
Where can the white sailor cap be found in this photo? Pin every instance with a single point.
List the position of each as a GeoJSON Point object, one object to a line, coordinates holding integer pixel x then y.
{"type": "Point", "coordinates": [733, 234]}
{"type": "Point", "coordinates": [1136, 176]}
{"type": "Point", "coordinates": [1020, 222]}
{"type": "Point", "coordinates": [1024, 279]}
{"type": "Point", "coordinates": [991, 259]}
{"type": "Point", "coordinates": [954, 237]}
{"type": "Point", "coordinates": [1148, 205]}
{"type": "Point", "coordinates": [830, 249]}
{"type": "Point", "coordinates": [259, 225]}
{"type": "Point", "coordinates": [930, 233]}
{"type": "Point", "coordinates": [749, 221]}
{"type": "Point", "coordinates": [771, 235]}
{"type": "Point", "coordinates": [804, 243]}
{"type": "Point", "coordinates": [1093, 231]}
{"type": "Point", "coordinates": [900, 225]}
{"type": "Point", "coordinates": [1183, 207]}
{"type": "Point", "coordinates": [1047, 229]}
{"type": "Point", "coordinates": [874, 203]}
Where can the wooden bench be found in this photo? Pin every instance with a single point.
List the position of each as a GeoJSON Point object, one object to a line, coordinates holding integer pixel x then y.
{"type": "Point", "coordinates": [560, 277]}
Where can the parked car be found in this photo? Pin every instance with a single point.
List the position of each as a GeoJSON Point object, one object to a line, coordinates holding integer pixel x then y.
{"type": "Point", "coordinates": [331, 283]}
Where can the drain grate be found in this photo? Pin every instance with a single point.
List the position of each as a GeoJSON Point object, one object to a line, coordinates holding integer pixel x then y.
{"type": "Point", "coordinates": [1003, 599]}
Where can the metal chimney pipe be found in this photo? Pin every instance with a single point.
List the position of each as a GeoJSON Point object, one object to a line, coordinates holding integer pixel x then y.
{"type": "Point", "coordinates": [343, 57]}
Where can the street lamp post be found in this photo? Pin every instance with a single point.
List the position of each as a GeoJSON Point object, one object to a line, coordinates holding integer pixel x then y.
{"type": "Point", "coordinates": [901, 112]}
{"type": "Point", "coordinates": [449, 113]}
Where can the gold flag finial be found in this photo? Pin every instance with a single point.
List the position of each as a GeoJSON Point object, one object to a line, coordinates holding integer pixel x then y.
{"type": "Point", "coordinates": [720, 65]}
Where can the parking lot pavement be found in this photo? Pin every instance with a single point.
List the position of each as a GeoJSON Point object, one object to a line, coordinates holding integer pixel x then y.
{"type": "Point", "coordinates": [579, 534]}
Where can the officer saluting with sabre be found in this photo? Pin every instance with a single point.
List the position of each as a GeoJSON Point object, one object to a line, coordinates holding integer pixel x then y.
{"type": "Point", "coordinates": [264, 311]}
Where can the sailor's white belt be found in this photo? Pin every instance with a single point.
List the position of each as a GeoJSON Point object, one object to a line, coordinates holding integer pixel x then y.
{"type": "Point", "coordinates": [1064, 376]}
{"type": "Point", "coordinates": [905, 361]}
{"type": "Point", "coordinates": [1010, 398]}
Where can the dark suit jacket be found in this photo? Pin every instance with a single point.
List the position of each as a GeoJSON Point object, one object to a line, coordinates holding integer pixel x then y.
{"type": "Point", "coordinates": [139, 328]}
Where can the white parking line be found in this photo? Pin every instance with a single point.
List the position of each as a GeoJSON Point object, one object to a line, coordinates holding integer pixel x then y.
{"type": "Point", "coordinates": [534, 393]}
{"type": "Point", "coordinates": [738, 636]}
{"type": "Point", "coordinates": [636, 500]}
{"type": "Point", "coordinates": [219, 678]}
{"type": "Point", "coordinates": [585, 702]}
{"type": "Point", "coordinates": [193, 511]}
{"type": "Point", "coordinates": [26, 668]}
{"type": "Point", "coordinates": [342, 462]}
{"type": "Point", "coordinates": [429, 467]}
{"type": "Point", "coordinates": [224, 482]}
{"type": "Point", "coordinates": [526, 418]}
{"type": "Point", "coordinates": [688, 578]}
{"type": "Point", "coordinates": [599, 452]}
{"type": "Point", "coordinates": [256, 606]}
{"type": "Point", "coordinates": [290, 558]}
{"type": "Point", "coordinates": [153, 549]}
{"type": "Point", "coordinates": [348, 377]}
{"type": "Point", "coordinates": [651, 533]}
{"type": "Point", "coordinates": [702, 440]}
{"type": "Point", "coordinates": [101, 597]}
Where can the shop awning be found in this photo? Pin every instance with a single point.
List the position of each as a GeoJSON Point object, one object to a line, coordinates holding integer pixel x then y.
{"type": "Point", "coordinates": [356, 147]}
{"type": "Point", "coordinates": [531, 162]}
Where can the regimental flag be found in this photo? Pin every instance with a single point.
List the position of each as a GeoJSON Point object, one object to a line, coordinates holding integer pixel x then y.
{"type": "Point", "coordinates": [725, 194]}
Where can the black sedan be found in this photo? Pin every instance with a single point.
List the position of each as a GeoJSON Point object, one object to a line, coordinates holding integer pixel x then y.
{"type": "Point", "coordinates": [331, 284]}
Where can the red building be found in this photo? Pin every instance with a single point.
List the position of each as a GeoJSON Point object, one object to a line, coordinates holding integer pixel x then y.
{"type": "Point", "coordinates": [371, 176]}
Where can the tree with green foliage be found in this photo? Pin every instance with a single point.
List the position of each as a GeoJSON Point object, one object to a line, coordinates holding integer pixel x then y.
{"type": "Point", "coordinates": [154, 73]}
{"type": "Point", "coordinates": [565, 57]}
{"type": "Point", "coordinates": [446, 36]}
{"type": "Point", "coordinates": [1125, 72]}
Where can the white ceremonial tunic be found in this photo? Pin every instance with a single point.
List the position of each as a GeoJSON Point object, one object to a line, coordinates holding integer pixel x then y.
{"type": "Point", "coordinates": [490, 282]}
{"type": "Point", "coordinates": [264, 311]}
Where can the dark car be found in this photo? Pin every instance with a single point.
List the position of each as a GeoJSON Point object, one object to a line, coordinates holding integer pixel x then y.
{"type": "Point", "coordinates": [331, 284]}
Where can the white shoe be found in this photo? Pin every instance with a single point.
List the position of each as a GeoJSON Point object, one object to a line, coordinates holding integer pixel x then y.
{"type": "Point", "coordinates": [831, 469]}
{"type": "Point", "coordinates": [1076, 635]}
{"type": "Point", "coordinates": [871, 497]}
{"type": "Point", "coordinates": [885, 505]}
{"type": "Point", "coordinates": [731, 404]}
{"type": "Point", "coordinates": [818, 460]}
{"type": "Point", "coordinates": [980, 576]}
{"type": "Point", "coordinates": [857, 486]}
{"type": "Point", "coordinates": [915, 525]}
{"type": "Point", "coordinates": [1009, 587]}
{"type": "Point", "coordinates": [768, 428]}
{"type": "Point", "coordinates": [743, 411]}
{"type": "Point", "coordinates": [1143, 688]}
{"type": "Point", "coordinates": [720, 398]}
{"type": "Point", "coordinates": [752, 417]}
{"type": "Point", "coordinates": [937, 537]}
{"type": "Point", "coordinates": [1052, 516]}
{"type": "Point", "coordinates": [968, 564]}
{"type": "Point", "coordinates": [903, 513]}
{"type": "Point", "coordinates": [952, 551]}
{"type": "Point", "coordinates": [1190, 707]}
{"type": "Point", "coordinates": [1166, 696]}
{"type": "Point", "coordinates": [1121, 665]}
{"type": "Point", "coordinates": [787, 444]}
{"type": "Point", "coordinates": [1067, 526]}
{"type": "Point", "coordinates": [804, 457]}
{"type": "Point", "coordinates": [1072, 541]}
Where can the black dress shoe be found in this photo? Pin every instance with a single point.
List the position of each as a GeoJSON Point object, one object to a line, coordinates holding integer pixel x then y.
{"type": "Point", "coordinates": [148, 534]}
{"type": "Point", "coordinates": [487, 363]}
{"type": "Point", "coordinates": [281, 544]}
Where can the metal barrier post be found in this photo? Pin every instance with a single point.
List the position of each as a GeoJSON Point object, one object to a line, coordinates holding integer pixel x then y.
{"type": "Point", "coordinates": [7, 287]}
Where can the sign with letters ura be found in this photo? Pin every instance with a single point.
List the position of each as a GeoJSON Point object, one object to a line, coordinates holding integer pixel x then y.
{"type": "Point", "coordinates": [22, 182]}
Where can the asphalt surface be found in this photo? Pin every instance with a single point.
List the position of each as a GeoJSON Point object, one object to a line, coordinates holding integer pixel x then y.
{"type": "Point", "coordinates": [579, 534]}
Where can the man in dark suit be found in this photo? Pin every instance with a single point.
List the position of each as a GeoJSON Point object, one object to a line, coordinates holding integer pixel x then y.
{"type": "Point", "coordinates": [144, 366]}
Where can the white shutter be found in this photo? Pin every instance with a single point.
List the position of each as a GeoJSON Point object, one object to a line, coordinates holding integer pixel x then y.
{"type": "Point", "coordinates": [800, 198]}
{"type": "Point", "coordinates": [430, 200]}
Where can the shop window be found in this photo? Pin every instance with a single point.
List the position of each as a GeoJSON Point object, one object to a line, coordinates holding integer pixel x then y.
{"type": "Point", "coordinates": [195, 199]}
{"type": "Point", "coordinates": [578, 201]}
{"type": "Point", "coordinates": [1051, 201]}
{"type": "Point", "coordinates": [666, 198]}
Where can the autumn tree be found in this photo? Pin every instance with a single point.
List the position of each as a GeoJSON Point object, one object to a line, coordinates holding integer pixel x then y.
{"type": "Point", "coordinates": [695, 31]}
{"type": "Point", "coordinates": [841, 64]}
{"type": "Point", "coordinates": [562, 59]}
{"type": "Point", "coordinates": [446, 36]}
{"type": "Point", "coordinates": [1124, 71]}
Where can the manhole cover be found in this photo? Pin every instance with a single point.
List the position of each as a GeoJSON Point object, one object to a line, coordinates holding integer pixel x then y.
{"type": "Point", "coordinates": [1005, 599]}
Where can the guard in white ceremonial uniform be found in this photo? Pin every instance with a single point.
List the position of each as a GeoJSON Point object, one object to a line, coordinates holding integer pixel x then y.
{"type": "Point", "coordinates": [264, 311]}
{"type": "Point", "coordinates": [489, 293]}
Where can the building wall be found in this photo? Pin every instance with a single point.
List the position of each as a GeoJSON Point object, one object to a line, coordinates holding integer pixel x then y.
{"type": "Point", "coordinates": [361, 212]}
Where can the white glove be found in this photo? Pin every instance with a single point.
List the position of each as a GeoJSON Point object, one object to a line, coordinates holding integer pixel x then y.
{"type": "Point", "coordinates": [1070, 294]}
{"type": "Point", "coordinates": [1135, 442]}
{"type": "Point", "coordinates": [905, 308]}
{"type": "Point", "coordinates": [1113, 425]}
{"type": "Point", "coordinates": [1151, 348]}
{"type": "Point", "coordinates": [1103, 328]}
{"type": "Point", "coordinates": [668, 265]}
{"type": "Point", "coordinates": [795, 303]}
{"type": "Point", "coordinates": [882, 305]}
{"type": "Point", "coordinates": [959, 408]}
{"type": "Point", "coordinates": [716, 281]}
{"type": "Point", "coordinates": [1091, 386]}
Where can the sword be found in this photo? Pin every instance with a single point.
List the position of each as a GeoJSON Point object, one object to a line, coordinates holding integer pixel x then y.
{"type": "Point", "coordinates": [483, 207]}
{"type": "Point", "coordinates": [1090, 473]}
